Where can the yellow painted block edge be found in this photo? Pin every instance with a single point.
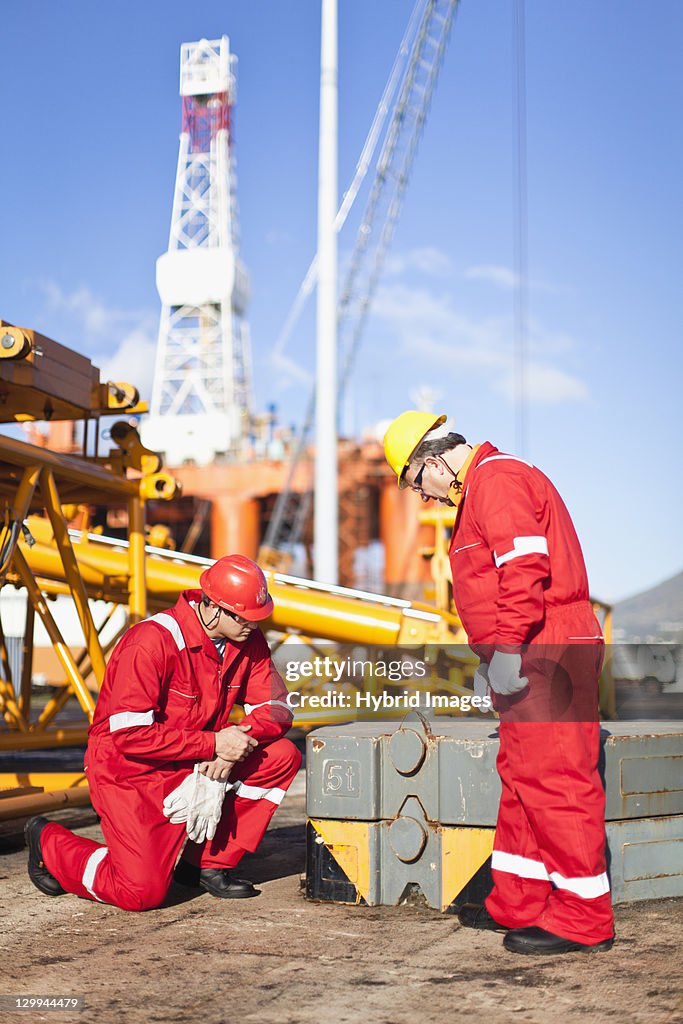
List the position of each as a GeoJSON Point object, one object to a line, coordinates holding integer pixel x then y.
{"type": "Point", "coordinates": [463, 852]}
{"type": "Point", "coordinates": [349, 844]}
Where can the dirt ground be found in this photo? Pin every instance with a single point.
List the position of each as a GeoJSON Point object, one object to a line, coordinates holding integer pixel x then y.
{"type": "Point", "coordinates": [279, 959]}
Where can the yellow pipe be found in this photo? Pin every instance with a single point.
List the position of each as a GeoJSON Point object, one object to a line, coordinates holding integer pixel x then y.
{"type": "Point", "coordinates": [71, 572]}
{"type": "Point", "coordinates": [60, 699]}
{"type": "Point", "coordinates": [22, 499]}
{"type": "Point", "coordinates": [22, 503]}
{"type": "Point", "coordinates": [27, 663]}
{"type": "Point", "coordinates": [61, 650]}
{"type": "Point", "coordinates": [24, 806]}
{"type": "Point", "coordinates": [300, 605]}
{"type": "Point", "coordinates": [45, 561]}
{"type": "Point", "coordinates": [47, 781]}
{"type": "Point", "coordinates": [70, 736]}
{"type": "Point", "coordinates": [53, 707]}
{"type": "Point", "coordinates": [9, 707]}
{"type": "Point", "coordinates": [137, 586]}
{"type": "Point", "coordinates": [82, 661]}
{"type": "Point", "coordinates": [439, 565]}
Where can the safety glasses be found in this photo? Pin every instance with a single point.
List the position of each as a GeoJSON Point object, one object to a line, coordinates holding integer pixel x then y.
{"type": "Point", "coordinates": [238, 618]}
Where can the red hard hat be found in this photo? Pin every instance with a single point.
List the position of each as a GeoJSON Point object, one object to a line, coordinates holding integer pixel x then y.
{"type": "Point", "coordinates": [238, 584]}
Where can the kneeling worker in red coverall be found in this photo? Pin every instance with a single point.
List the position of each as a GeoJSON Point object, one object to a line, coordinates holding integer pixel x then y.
{"type": "Point", "coordinates": [521, 590]}
{"type": "Point", "coordinates": [164, 763]}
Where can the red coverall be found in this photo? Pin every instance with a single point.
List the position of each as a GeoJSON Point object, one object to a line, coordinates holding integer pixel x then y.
{"type": "Point", "coordinates": [165, 693]}
{"type": "Point", "coordinates": [519, 579]}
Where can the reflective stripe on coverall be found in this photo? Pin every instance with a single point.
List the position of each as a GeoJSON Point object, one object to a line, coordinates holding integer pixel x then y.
{"type": "Point", "coordinates": [165, 693]}
{"type": "Point", "coordinates": [520, 584]}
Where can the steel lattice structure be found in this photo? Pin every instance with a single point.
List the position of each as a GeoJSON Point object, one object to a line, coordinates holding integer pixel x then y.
{"type": "Point", "coordinates": [201, 400]}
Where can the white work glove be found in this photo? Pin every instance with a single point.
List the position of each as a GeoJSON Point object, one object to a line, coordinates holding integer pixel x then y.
{"type": "Point", "coordinates": [504, 674]}
{"type": "Point", "coordinates": [205, 807]}
{"type": "Point", "coordinates": [481, 680]}
{"type": "Point", "coordinates": [177, 802]}
{"type": "Point", "coordinates": [198, 801]}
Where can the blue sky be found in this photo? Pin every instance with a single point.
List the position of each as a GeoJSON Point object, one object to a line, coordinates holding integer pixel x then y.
{"type": "Point", "coordinates": [91, 115]}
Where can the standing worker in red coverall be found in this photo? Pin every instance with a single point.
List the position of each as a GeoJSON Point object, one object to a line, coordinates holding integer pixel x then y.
{"type": "Point", "coordinates": [161, 731]}
{"type": "Point", "coordinates": [521, 590]}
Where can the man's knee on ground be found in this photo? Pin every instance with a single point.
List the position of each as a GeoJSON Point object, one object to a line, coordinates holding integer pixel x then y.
{"type": "Point", "coordinates": [148, 898]}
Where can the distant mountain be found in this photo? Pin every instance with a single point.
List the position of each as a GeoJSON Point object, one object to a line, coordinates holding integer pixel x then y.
{"type": "Point", "coordinates": [656, 614]}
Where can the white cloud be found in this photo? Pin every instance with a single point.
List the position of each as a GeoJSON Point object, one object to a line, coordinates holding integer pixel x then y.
{"type": "Point", "coordinates": [506, 278]}
{"type": "Point", "coordinates": [97, 319]}
{"type": "Point", "coordinates": [425, 396]}
{"type": "Point", "coordinates": [133, 362]}
{"type": "Point", "coordinates": [121, 342]}
{"type": "Point", "coordinates": [426, 260]}
{"type": "Point", "coordinates": [427, 325]}
{"type": "Point", "coordinates": [546, 384]}
{"type": "Point", "coordinates": [289, 371]}
{"type": "Point", "coordinates": [502, 277]}
{"type": "Point", "coordinates": [546, 342]}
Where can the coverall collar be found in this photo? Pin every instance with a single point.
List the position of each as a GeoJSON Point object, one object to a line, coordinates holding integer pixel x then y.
{"type": "Point", "coordinates": [195, 636]}
{"type": "Point", "coordinates": [477, 455]}
{"type": "Point", "coordinates": [480, 452]}
{"type": "Point", "coordinates": [192, 630]}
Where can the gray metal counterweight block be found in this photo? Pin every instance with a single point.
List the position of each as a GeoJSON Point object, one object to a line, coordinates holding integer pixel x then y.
{"type": "Point", "coordinates": [408, 809]}
{"type": "Point", "coordinates": [366, 771]}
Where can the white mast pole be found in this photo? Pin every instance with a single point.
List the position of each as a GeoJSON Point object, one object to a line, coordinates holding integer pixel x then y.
{"type": "Point", "coordinates": [326, 526]}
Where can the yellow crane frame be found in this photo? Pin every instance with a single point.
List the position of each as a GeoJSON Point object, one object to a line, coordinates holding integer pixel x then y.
{"type": "Point", "coordinates": [42, 490]}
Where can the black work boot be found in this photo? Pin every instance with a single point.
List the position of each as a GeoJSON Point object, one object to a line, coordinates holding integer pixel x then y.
{"type": "Point", "coordinates": [475, 915]}
{"type": "Point", "coordinates": [538, 942]}
{"type": "Point", "coordinates": [217, 881]}
{"type": "Point", "coordinates": [37, 872]}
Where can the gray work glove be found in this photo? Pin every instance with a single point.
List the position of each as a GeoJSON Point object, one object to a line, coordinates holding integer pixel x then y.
{"type": "Point", "coordinates": [504, 674]}
{"type": "Point", "coordinates": [481, 680]}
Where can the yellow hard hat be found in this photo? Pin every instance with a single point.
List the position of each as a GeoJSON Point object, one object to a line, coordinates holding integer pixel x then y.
{"type": "Point", "coordinates": [403, 437]}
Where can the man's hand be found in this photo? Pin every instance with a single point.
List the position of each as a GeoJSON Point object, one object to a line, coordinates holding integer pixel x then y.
{"type": "Point", "coordinates": [504, 674]}
{"type": "Point", "coordinates": [217, 769]}
{"type": "Point", "coordinates": [233, 744]}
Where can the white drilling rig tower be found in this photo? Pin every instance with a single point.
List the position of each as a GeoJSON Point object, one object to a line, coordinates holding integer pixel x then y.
{"type": "Point", "coordinates": [201, 398]}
